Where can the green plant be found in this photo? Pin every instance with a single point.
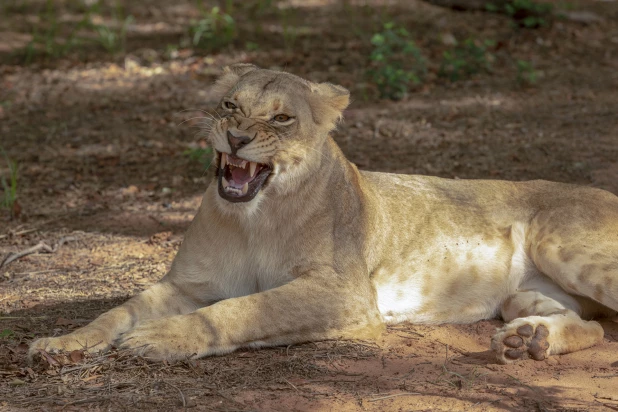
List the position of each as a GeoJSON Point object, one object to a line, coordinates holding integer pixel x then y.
{"type": "Point", "coordinates": [466, 59]}
{"type": "Point", "coordinates": [526, 73]}
{"type": "Point", "coordinates": [251, 46]}
{"type": "Point", "coordinates": [113, 38]}
{"type": "Point", "coordinates": [397, 63]}
{"type": "Point", "coordinates": [214, 30]}
{"type": "Point", "coordinates": [290, 30]}
{"type": "Point", "coordinates": [6, 333]}
{"type": "Point", "coordinates": [204, 155]}
{"type": "Point", "coordinates": [525, 13]}
{"type": "Point", "coordinates": [47, 36]}
{"type": "Point", "coordinates": [9, 186]}
{"type": "Point", "coordinates": [171, 51]}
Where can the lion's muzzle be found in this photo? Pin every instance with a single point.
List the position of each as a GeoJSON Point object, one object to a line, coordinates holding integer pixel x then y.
{"type": "Point", "coordinates": [240, 180]}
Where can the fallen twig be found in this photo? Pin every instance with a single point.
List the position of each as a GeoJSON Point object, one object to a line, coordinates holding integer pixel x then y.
{"type": "Point", "coordinates": [405, 330]}
{"type": "Point", "coordinates": [182, 395]}
{"type": "Point", "coordinates": [392, 396]}
{"type": "Point", "coordinates": [87, 400]}
{"type": "Point", "coordinates": [291, 384]}
{"type": "Point", "coordinates": [22, 232]}
{"type": "Point", "coordinates": [615, 375]}
{"type": "Point", "coordinates": [41, 246]}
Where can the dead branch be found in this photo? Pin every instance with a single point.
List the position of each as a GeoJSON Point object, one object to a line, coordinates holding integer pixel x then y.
{"type": "Point", "coordinates": [20, 233]}
{"type": "Point", "coordinates": [182, 395]}
{"type": "Point", "coordinates": [393, 396]}
{"type": "Point", "coordinates": [41, 246]}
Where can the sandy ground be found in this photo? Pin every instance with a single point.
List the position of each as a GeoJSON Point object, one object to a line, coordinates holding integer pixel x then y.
{"type": "Point", "coordinates": [103, 173]}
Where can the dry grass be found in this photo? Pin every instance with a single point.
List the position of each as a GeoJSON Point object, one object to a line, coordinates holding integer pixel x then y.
{"type": "Point", "coordinates": [119, 379]}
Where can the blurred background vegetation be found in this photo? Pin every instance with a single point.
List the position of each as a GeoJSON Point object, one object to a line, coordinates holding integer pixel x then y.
{"type": "Point", "coordinates": [382, 50]}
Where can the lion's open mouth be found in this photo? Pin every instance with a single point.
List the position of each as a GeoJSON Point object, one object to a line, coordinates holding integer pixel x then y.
{"type": "Point", "coordinates": [239, 179]}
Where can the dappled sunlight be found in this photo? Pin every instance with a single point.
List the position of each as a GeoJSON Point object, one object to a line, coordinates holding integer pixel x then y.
{"type": "Point", "coordinates": [113, 79]}
{"type": "Point", "coordinates": [103, 122]}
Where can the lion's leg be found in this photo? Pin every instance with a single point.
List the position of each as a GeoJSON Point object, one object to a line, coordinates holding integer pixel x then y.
{"type": "Point", "coordinates": [543, 320]}
{"type": "Point", "coordinates": [162, 299]}
{"type": "Point", "coordinates": [581, 257]}
{"type": "Point", "coordinates": [315, 306]}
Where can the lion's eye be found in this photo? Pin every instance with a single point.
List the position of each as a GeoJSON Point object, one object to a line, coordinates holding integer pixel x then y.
{"type": "Point", "coordinates": [229, 105]}
{"type": "Point", "coordinates": [281, 118]}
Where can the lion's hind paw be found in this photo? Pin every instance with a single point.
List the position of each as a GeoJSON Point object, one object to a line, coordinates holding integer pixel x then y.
{"type": "Point", "coordinates": [519, 340]}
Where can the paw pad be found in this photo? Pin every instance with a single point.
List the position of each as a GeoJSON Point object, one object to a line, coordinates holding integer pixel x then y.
{"type": "Point", "coordinates": [538, 345]}
{"type": "Point", "coordinates": [525, 331]}
{"type": "Point", "coordinates": [525, 342]}
{"type": "Point", "coordinates": [513, 341]}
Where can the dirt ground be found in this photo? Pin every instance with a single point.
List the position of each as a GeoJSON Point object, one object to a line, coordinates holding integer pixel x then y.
{"type": "Point", "coordinates": [101, 144]}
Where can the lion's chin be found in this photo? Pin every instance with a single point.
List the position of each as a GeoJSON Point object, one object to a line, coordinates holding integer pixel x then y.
{"type": "Point", "coordinates": [240, 180]}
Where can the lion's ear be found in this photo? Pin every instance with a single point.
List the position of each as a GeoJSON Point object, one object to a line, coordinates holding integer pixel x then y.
{"type": "Point", "coordinates": [330, 101]}
{"type": "Point", "coordinates": [337, 96]}
{"type": "Point", "coordinates": [231, 75]}
{"type": "Point", "coordinates": [240, 69]}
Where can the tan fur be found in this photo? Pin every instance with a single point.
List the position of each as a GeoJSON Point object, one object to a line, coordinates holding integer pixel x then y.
{"type": "Point", "coordinates": [327, 251]}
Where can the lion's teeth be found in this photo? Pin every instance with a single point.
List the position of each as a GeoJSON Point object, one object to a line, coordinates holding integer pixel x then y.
{"type": "Point", "coordinates": [224, 182]}
{"type": "Point", "coordinates": [252, 166]}
{"type": "Point", "coordinates": [223, 160]}
{"type": "Point", "coordinates": [243, 164]}
{"type": "Point", "coordinates": [245, 188]}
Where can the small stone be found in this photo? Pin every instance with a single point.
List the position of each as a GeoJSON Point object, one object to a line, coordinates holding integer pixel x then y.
{"type": "Point", "coordinates": [582, 16]}
{"type": "Point", "coordinates": [448, 39]}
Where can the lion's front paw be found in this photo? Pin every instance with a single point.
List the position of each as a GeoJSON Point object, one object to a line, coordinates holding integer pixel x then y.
{"type": "Point", "coordinates": [521, 339]}
{"type": "Point", "coordinates": [160, 340]}
{"type": "Point", "coordinates": [92, 341]}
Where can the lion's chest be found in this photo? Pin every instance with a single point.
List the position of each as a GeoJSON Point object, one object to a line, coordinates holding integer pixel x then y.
{"type": "Point", "coordinates": [252, 267]}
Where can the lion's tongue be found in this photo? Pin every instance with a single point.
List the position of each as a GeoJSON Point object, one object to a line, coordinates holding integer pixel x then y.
{"type": "Point", "coordinates": [240, 175]}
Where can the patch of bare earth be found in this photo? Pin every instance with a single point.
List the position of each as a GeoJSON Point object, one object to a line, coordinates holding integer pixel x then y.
{"type": "Point", "coordinates": [105, 184]}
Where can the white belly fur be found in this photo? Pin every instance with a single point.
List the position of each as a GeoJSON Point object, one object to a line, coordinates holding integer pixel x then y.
{"type": "Point", "coordinates": [471, 288]}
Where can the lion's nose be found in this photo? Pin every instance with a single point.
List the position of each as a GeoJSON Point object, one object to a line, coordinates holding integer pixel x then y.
{"type": "Point", "coordinates": [237, 142]}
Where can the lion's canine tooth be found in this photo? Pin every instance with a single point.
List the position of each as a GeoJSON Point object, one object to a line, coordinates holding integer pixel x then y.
{"type": "Point", "coordinates": [252, 166]}
{"type": "Point", "coordinates": [223, 160]}
{"type": "Point", "coordinates": [245, 188]}
{"type": "Point", "coordinates": [243, 164]}
{"type": "Point", "coordinates": [224, 182]}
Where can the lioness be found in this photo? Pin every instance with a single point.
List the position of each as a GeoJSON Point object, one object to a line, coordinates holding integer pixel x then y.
{"type": "Point", "coordinates": [293, 243]}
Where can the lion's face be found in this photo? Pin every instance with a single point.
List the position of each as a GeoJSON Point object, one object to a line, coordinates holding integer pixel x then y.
{"type": "Point", "coordinates": [271, 128]}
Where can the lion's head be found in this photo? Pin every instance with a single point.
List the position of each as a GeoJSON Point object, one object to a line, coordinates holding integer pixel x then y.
{"type": "Point", "coordinates": [270, 130]}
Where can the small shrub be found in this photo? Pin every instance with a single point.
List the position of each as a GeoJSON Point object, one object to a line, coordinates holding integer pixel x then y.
{"type": "Point", "coordinates": [251, 46]}
{"type": "Point", "coordinates": [113, 38]}
{"type": "Point", "coordinates": [48, 37]}
{"type": "Point", "coordinates": [466, 59]}
{"type": "Point", "coordinates": [525, 13]}
{"type": "Point", "coordinates": [215, 30]}
{"type": "Point", "coordinates": [51, 39]}
{"type": "Point", "coordinates": [526, 74]}
{"type": "Point", "coordinates": [6, 333]}
{"type": "Point", "coordinates": [204, 155]}
{"type": "Point", "coordinates": [397, 63]}
{"type": "Point", "coordinates": [291, 30]}
{"type": "Point", "coordinates": [45, 36]}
